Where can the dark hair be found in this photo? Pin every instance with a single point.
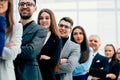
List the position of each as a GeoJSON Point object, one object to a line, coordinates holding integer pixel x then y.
{"type": "Point", "coordinates": [84, 45]}
{"type": "Point", "coordinates": [35, 1]}
{"type": "Point", "coordinates": [67, 19]}
{"type": "Point", "coordinates": [53, 26]}
{"type": "Point", "coordinates": [114, 60]}
{"type": "Point", "coordinates": [9, 18]}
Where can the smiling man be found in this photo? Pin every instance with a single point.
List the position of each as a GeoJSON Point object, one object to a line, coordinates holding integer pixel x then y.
{"type": "Point", "coordinates": [26, 66]}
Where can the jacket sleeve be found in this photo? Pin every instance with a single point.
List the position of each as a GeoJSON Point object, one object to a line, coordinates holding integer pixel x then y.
{"type": "Point", "coordinates": [33, 48]}
{"type": "Point", "coordinates": [12, 52]}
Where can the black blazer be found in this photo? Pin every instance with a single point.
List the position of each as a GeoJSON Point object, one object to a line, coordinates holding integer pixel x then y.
{"type": "Point", "coordinates": [114, 69]}
{"type": "Point", "coordinates": [99, 67]}
{"type": "Point", "coordinates": [26, 66]}
{"type": "Point", "coordinates": [52, 48]}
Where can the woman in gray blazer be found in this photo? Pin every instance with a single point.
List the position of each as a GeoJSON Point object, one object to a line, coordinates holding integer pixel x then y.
{"type": "Point", "coordinates": [12, 43]}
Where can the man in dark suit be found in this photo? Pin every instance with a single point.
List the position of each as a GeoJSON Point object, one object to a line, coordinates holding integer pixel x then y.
{"type": "Point", "coordinates": [100, 66]}
{"type": "Point", "coordinates": [2, 33]}
{"type": "Point", "coordinates": [26, 66]}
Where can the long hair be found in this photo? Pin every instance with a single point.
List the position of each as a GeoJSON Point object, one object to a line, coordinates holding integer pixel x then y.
{"type": "Point", "coordinates": [53, 27]}
{"type": "Point", "coordinates": [114, 60]}
{"type": "Point", "coordinates": [9, 18]}
{"type": "Point", "coordinates": [84, 45]}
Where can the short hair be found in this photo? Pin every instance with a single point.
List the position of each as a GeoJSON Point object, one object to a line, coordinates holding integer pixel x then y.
{"type": "Point", "coordinates": [67, 19]}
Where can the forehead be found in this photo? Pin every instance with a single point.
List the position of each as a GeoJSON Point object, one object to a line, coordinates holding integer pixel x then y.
{"type": "Point", "coordinates": [26, 0]}
{"type": "Point", "coordinates": [65, 22]}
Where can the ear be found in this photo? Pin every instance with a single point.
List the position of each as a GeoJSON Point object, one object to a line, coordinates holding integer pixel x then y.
{"type": "Point", "coordinates": [35, 8]}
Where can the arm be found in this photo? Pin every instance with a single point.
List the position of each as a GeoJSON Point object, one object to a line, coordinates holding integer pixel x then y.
{"type": "Point", "coordinates": [33, 48]}
{"type": "Point", "coordinates": [55, 54]}
{"type": "Point", "coordinates": [72, 60]}
{"type": "Point", "coordinates": [10, 53]}
{"type": "Point", "coordinates": [83, 68]}
{"type": "Point", "coordinates": [100, 72]}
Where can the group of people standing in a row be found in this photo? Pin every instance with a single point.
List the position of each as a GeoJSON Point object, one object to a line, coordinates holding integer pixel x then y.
{"type": "Point", "coordinates": [32, 51]}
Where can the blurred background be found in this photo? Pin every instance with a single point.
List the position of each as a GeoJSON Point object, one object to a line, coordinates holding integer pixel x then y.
{"type": "Point", "coordinates": [101, 17]}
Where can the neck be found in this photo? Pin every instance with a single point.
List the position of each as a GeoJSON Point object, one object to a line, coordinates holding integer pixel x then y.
{"type": "Point", "coordinates": [23, 21]}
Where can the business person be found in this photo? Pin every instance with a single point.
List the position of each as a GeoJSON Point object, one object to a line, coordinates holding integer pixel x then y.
{"type": "Point", "coordinates": [114, 67]}
{"type": "Point", "coordinates": [78, 36]}
{"type": "Point", "coordinates": [2, 33]}
{"type": "Point", "coordinates": [13, 38]}
{"type": "Point", "coordinates": [100, 66]}
{"type": "Point", "coordinates": [118, 58]}
{"type": "Point", "coordinates": [26, 65]}
{"type": "Point", "coordinates": [70, 51]}
{"type": "Point", "coordinates": [50, 53]}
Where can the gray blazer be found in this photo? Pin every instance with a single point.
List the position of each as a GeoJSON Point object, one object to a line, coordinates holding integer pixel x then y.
{"type": "Point", "coordinates": [26, 66]}
{"type": "Point", "coordinates": [71, 51]}
{"type": "Point", "coordinates": [9, 54]}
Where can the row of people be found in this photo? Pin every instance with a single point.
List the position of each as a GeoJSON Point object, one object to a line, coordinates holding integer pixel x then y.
{"type": "Point", "coordinates": [37, 50]}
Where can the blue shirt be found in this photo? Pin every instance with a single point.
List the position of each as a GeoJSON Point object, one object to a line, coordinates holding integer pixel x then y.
{"type": "Point", "coordinates": [2, 33]}
{"type": "Point", "coordinates": [83, 68]}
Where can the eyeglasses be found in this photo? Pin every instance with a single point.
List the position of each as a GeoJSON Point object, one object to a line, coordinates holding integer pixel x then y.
{"type": "Point", "coordinates": [118, 52]}
{"type": "Point", "coordinates": [3, 1]}
{"type": "Point", "coordinates": [65, 26]}
{"type": "Point", "coordinates": [28, 4]}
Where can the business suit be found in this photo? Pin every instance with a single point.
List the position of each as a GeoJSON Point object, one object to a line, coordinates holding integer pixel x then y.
{"type": "Point", "coordinates": [99, 67]}
{"type": "Point", "coordinates": [9, 54]}
{"type": "Point", "coordinates": [70, 51]}
{"type": "Point", "coordinates": [26, 66]}
{"type": "Point", "coordinates": [114, 69]}
{"type": "Point", "coordinates": [52, 48]}
{"type": "Point", "coordinates": [2, 33]}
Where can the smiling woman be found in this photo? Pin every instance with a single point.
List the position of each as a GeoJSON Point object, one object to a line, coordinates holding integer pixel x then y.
{"type": "Point", "coordinates": [13, 39]}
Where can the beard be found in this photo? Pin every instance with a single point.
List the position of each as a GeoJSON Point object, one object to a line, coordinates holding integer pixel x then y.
{"type": "Point", "coordinates": [25, 17]}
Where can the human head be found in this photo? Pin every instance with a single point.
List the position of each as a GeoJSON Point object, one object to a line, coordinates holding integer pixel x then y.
{"type": "Point", "coordinates": [26, 8]}
{"type": "Point", "coordinates": [109, 51]}
{"type": "Point", "coordinates": [65, 26]}
{"type": "Point", "coordinates": [78, 35]}
{"type": "Point", "coordinates": [7, 11]}
{"type": "Point", "coordinates": [94, 42]}
{"type": "Point", "coordinates": [118, 54]}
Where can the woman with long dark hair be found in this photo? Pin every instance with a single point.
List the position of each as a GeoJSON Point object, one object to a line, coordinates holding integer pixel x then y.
{"type": "Point", "coordinates": [78, 35]}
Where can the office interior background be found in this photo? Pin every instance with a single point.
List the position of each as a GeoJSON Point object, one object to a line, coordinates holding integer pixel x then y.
{"type": "Point", "coordinates": [101, 17]}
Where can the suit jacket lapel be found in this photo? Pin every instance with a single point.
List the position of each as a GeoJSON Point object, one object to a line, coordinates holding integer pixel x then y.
{"type": "Point", "coordinates": [65, 47]}
{"type": "Point", "coordinates": [29, 28]}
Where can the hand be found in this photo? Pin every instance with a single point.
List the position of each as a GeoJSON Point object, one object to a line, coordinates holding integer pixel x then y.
{"type": "Point", "coordinates": [112, 76]}
{"type": "Point", "coordinates": [95, 78]}
{"type": "Point", "coordinates": [44, 57]}
{"type": "Point", "coordinates": [10, 44]}
{"type": "Point", "coordinates": [63, 60]}
{"type": "Point", "coordinates": [119, 77]}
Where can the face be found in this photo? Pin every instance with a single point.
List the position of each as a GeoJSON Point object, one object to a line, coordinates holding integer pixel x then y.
{"type": "Point", "coordinates": [26, 8]}
{"type": "Point", "coordinates": [45, 20]}
{"type": "Point", "coordinates": [3, 7]}
{"type": "Point", "coordinates": [109, 51]}
{"type": "Point", "coordinates": [94, 42]}
{"type": "Point", "coordinates": [118, 54]}
{"type": "Point", "coordinates": [78, 35]}
{"type": "Point", "coordinates": [65, 28]}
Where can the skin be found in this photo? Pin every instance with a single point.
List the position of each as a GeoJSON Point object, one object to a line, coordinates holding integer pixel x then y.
{"type": "Point", "coordinates": [45, 21]}
{"type": "Point", "coordinates": [26, 11]}
{"type": "Point", "coordinates": [94, 42]}
{"type": "Point", "coordinates": [109, 52]}
{"type": "Point", "coordinates": [78, 36]}
{"type": "Point", "coordinates": [64, 32]}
